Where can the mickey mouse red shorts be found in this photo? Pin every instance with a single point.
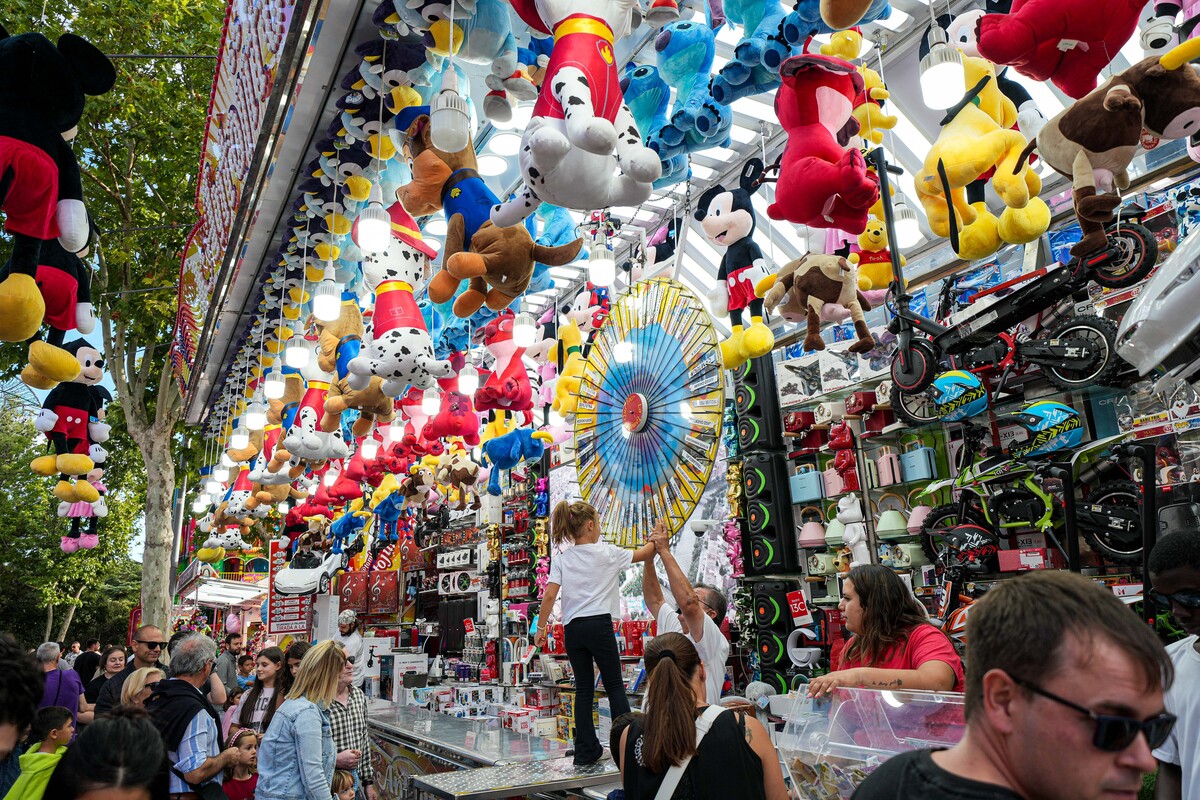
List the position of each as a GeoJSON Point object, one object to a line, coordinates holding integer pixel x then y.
{"type": "Point", "coordinates": [32, 198]}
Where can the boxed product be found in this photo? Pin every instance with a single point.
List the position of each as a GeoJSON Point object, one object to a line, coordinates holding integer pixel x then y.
{"type": "Point", "coordinates": [1030, 558]}
{"type": "Point", "coordinates": [604, 723]}
{"type": "Point", "coordinates": [546, 727]}
{"type": "Point", "coordinates": [566, 728]}
{"type": "Point", "coordinates": [519, 720]}
{"type": "Point", "coordinates": [798, 379]}
{"type": "Point", "coordinates": [838, 366]}
{"type": "Point", "coordinates": [541, 696]}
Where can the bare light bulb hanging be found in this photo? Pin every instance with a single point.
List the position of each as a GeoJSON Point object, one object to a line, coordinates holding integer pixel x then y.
{"type": "Point", "coordinates": [296, 355]}
{"type": "Point", "coordinates": [602, 268]}
{"type": "Point", "coordinates": [240, 438]}
{"type": "Point", "coordinates": [327, 301]}
{"type": "Point", "coordinates": [431, 401]}
{"type": "Point", "coordinates": [370, 448]}
{"type": "Point", "coordinates": [468, 378]}
{"type": "Point", "coordinates": [524, 329]}
{"type": "Point", "coordinates": [908, 229]}
{"type": "Point", "coordinates": [274, 385]}
{"type": "Point", "coordinates": [941, 72]}
{"type": "Point", "coordinates": [449, 122]}
{"type": "Point", "coordinates": [374, 223]}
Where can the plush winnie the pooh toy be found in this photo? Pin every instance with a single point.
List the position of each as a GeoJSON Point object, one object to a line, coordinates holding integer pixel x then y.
{"type": "Point", "coordinates": [874, 258]}
{"type": "Point", "coordinates": [42, 88]}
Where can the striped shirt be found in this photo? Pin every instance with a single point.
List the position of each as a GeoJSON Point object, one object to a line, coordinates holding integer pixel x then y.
{"type": "Point", "coordinates": [349, 724]}
{"type": "Point", "coordinates": [200, 742]}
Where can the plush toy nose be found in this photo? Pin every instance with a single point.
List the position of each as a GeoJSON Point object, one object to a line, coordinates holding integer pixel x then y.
{"type": "Point", "coordinates": [662, 41]}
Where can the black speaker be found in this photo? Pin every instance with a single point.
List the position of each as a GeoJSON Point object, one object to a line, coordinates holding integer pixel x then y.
{"type": "Point", "coordinates": [756, 400]}
{"type": "Point", "coordinates": [779, 681]}
{"type": "Point", "coordinates": [770, 532]}
{"type": "Point", "coordinates": [772, 625]}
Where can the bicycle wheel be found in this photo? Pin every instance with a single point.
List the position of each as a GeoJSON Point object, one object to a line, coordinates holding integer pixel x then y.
{"type": "Point", "coordinates": [922, 367]}
{"type": "Point", "coordinates": [1137, 254]}
{"type": "Point", "coordinates": [1119, 547]}
{"type": "Point", "coordinates": [941, 519]}
{"type": "Point", "coordinates": [914, 408]}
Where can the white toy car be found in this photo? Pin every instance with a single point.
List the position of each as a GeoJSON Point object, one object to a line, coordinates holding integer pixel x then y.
{"type": "Point", "coordinates": [309, 573]}
{"type": "Point", "coordinates": [1161, 327]}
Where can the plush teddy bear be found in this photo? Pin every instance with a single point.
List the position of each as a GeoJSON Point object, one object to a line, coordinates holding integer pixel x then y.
{"type": "Point", "coordinates": [874, 259]}
{"type": "Point", "coordinates": [728, 220]}
{"type": "Point", "coordinates": [67, 420]}
{"type": "Point", "coordinates": [42, 88]}
{"type": "Point", "coordinates": [581, 149]}
{"type": "Point", "coordinates": [401, 351]}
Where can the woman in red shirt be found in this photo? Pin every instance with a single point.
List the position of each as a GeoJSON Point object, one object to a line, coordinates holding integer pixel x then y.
{"type": "Point", "coordinates": [894, 645]}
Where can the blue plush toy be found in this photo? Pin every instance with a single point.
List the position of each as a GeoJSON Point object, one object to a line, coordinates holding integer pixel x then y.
{"type": "Point", "coordinates": [507, 451]}
{"type": "Point", "coordinates": [345, 529]}
{"type": "Point", "coordinates": [805, 21]}
{"type": "Point", "coordinates": [745, 75]}
{"type": "Point", "coordinates": [648, 97]}
{"type": "Point", "coordinates": [685, 58]}
{"type": "Point", "coordinates": [557, 228]}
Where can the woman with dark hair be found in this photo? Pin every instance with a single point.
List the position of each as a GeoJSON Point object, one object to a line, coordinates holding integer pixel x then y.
{"type": "Point", "coordinates": [704, 752]}
{"type": "Point", "coordinates": [894, 645]}
{"type": "Point", "coordinates": [117, 757]}
{"type": "Point", "coordinates": [295, 654]}
{"type": "Point", "coordinates": [112, 662]}
{"type": "Point", "coordinates": [257, 706]}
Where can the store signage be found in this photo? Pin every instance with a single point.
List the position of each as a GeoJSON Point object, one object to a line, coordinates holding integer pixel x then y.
{"type": "Point", "coordinates": [252, 43]}
{"type": "Point", "coordinates": [469, 625]}
{"type": "Point", "coordinates": [799, 608]}
{"type": "Point", "coordinates": [383, 592]}
{"type": "Point", "coordinates": [285, 613]}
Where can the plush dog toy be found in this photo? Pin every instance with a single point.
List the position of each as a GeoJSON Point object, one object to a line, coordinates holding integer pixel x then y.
{"type": "Point", "coordinates": [66, 419]}
{"type": "Point", "coordinates": [1068, 42]}
{"type": "Point", "coordinates": [507, 451]}
{"type": "Point", "coordinates": [41, 104]}
{"type": "Point", "coordinates": [1093, 140]}
{"type": "Point", "coordinates": [581, 130]}
{"type": "Point", "coordinates": [813, 280]}
{"type": "Point", "coordinates": [304, 440]}
{"type": "Point", "coordinates": [728, 220]}
{"type": "Point", "coordinates": [821, 183]}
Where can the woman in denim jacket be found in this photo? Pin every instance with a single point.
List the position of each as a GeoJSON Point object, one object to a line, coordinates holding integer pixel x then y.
{"type": "Point", "coordinates": [295, 759]}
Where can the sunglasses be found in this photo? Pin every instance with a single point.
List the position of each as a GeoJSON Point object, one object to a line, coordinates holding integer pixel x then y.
{"type": "Point", "coordinates": [351, 659]}
{"type": "Point", "coordinates": [1190, 600]}
{"type": "Point", "coordinates": [1113, 732]}
{"type": "Point", "coordinates": [152, 645]}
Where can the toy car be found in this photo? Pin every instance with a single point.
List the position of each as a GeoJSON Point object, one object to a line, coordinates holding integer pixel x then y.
{"type": "Point", "coordinates": [309, 573]}
{"type": "Point", "coordinates": [1161, 327]}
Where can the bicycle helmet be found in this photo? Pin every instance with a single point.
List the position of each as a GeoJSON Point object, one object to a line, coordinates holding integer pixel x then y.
{"type": "Point", "coordinates": [1049, 427]}
{"type": "Point", "coordinates": [969, 547]}
{"type": "Point", "coordinates": [958, 395]}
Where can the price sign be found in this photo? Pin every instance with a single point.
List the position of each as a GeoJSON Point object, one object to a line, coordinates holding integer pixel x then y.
{"type": "Point", "coordinates": [469, 625]}
{"type": "Point", "coordinates": [799, 608]}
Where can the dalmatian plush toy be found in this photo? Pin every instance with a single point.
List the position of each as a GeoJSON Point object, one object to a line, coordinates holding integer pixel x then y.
{"type": "Point", "coordinates": [581, 130]}
{"type": "Point", "coordinates": [401, 351]}
{"type": "Point", "coordinates": [305, 440]}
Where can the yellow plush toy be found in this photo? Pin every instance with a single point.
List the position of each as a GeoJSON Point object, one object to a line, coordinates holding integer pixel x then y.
{"type": "Point", "coordinates": [978, 137]}
{"type": "Point", "coordinates": [875, 259]}
{"type": "Point", "coordinates": [872, 121]}
{"type": "Point", "coordinates": [497, 427]}
{"type": "Point", "coordinates": [566, 388]}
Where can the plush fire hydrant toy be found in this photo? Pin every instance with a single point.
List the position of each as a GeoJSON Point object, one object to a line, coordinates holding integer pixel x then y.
{"type": "Point", "coordinates": [67, 420]}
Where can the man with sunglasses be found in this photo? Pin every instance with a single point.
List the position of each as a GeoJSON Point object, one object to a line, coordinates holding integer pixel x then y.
{"type": "Point", "coordinates": [1174, 568]}
{"type": "Point", "coordinates": [148, 644]}
{"type": "Point", "coordinates": [1064, 699]}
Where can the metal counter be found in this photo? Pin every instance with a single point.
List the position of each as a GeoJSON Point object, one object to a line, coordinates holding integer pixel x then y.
{"type": "Point", "coordinates": [463, 742]}
{"type": "Point", "coordinates": [538, 778]}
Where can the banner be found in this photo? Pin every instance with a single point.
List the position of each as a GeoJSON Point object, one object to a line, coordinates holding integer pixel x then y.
{"type": "Point", "coordinates": [285, 613]}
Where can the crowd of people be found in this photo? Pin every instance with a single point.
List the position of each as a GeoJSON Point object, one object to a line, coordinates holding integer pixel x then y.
{"type": "Point", "coordinates": [1067, 694]}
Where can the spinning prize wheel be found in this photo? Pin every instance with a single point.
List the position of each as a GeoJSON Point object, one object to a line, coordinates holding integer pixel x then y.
{"type": "Point", "coordinates": [648, 420]}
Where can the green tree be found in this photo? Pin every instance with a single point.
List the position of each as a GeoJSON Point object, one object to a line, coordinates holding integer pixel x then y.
{"type": "Point", "coordinates": [138, 148]}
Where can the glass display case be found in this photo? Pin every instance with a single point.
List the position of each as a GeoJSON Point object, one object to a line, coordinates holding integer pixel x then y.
{"type": "Point", "coordinates": [831, 744]}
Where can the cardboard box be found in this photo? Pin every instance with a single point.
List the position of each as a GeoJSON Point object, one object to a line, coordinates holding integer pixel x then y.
{"type": "Point", "coordinates": [546, 727]}
{"type": "Point", "coordinates": [1030, 558]}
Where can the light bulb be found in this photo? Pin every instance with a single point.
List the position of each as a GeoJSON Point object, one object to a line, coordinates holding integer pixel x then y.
{"type": "Point", "coordinates": [274, 385]}
{"type": "Point", "coordinates": [220, 473]}
{"type": "Point", "coordinates": [941, 72]}
{"type": "Point", "coordinates": [226, 461]}
{"type": "Point", "coordinates": [330, 478]}
{"type": "Point", "coordinates": [213, 487]}
{"type": "Point", "coordinates": [256, 415]}
{"type": "Point", "coordinates": [327, 301]}
{"type": "Point", "coordinates": [374, 224]}
{"type": "Point", "coordinates": [283, 507]}
{"type": "Point", "coordinates": [199, 504]}
{"type": "Point", "coordinates": [431, 401]}
{"type": "Point", "coordinates": [436, 227]}
{"type": "Point", "coordinates": [370, 449]}
{"type": "Point", "coordinates": [468, 379]}
{"type": "Point", "coordinates": [602, 269]}
{"type": "Point", "coordinates": [240, 438]}
{"type": "Point", "coordinates": [296, 355]}
{"type": "Point", "coordinates": [623, 352]}
{"type": "Point", "coordinates": [505, 144]}
{"type": "Point", "coordinates": [396, 430]}
{"type": "Point", "coordinates": [491, 165]}
{"type": "Point", "coordinates": [524, 329]}
{"type": "Point", "coordinates": [908, 229]}
{"type": "Point", "coordinates": [449, 122]}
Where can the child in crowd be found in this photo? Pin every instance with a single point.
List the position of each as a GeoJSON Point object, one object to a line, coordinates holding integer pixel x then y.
{"type": "Point", "coordinates": [245, 676]}
{"type": "Point", "coordinates": [231, 708]}
{"type": "Point", "coordinates": [589, 575]}
{"type": "Point", "coordinates": [242, 778]}
{"type": "Point", "coordinates": [343, 785]}
{"type": "Point", "coordinates": [52, 730]}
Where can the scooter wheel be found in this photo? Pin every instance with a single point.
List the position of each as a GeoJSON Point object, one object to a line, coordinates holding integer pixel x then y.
{"type": "Point", "coordinates": [1124, 494]}
{"type": "Point", "coordinates": [1100, 335]}
{"type": "Point", "coordinates": [1135, 254]}
{"type": "Point", "coordinates": [922, 363]}
{"type": "Point", "coordinates": [914, 408]}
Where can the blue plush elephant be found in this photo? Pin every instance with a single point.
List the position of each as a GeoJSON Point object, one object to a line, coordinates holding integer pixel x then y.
{"type": "Point", "coordinates": [507, 451]}
{"type": "Point", "coordinates": [648, 98]}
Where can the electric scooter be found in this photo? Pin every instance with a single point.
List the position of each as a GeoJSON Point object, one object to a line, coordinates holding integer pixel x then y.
{"type": "Point", "coordinates": [1073, 351]}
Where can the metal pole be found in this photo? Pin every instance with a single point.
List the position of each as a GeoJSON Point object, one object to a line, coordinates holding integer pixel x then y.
{"type": "Point", "coordinates": [1066, 474]}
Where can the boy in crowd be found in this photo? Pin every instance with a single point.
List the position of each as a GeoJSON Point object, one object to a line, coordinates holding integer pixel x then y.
{"type": "Point", "coordinates": [53, 729]}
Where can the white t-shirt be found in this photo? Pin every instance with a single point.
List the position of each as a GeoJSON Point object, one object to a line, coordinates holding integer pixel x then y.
{"type": "Point", "coordinates": [259, 712]}
{"type": "Point", "coordinates": [590, 576]}
{"type": "Point", "coordinates": [1183, 700]}
{"type": "Point", "coordinates": [712, 648]}
{"type": "Point", "coordinates": [354, 647]}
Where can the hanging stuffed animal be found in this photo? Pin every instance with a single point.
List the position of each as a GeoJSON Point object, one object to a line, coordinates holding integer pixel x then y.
{"type": "Point", "coordinates": [305, 440]}
{"type": "Point", "coordinates": [728, 220]}
{"type": "Point", "coordinates": [507, 451]}
{"type": "Point", "coordinates": [508, 388]}
{"type": "Point", "coordinates": [811, 281]}
{"type": "Point", "coordinates": [822, 183]}
{"type": "Point", "coordinates": [685, 52]}
{"type": "Point", "coordinates": [582, 149]}
{"type": "Point", "coordinates": [401, 352]}
{"type": "Point", "coordinates": [457, 416]}
{"type": "Point", "coordinates": [566, 386]}
{"type": "Point", "coordinates": [874, 260]}
{"type": "Point", "coordinates": [40, 108]}
{"type": "Point", "coordinates": [65, 418]}
{"type": "Point", "coordinates": [748, 72]}
{"type": "Point", "coordinates": [649, 98]}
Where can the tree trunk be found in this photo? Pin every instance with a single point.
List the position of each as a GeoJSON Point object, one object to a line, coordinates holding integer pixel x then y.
{"type": "Point", "coordinates": [49, 621]}
{"type": "Point", "coordinates": [66, 623]}
{"type": "Point", "coordinates": [155, 445]}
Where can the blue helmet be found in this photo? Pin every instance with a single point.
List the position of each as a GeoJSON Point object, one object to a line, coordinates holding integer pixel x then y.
{"type": "Point", "coordinates": [958, 395]}
{"type": "Point", "coordinates": [1049, 426]}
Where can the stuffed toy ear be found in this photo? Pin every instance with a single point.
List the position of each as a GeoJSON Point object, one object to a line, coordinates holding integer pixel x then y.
{"type": "Point", "coordinates": [705, 200]}
{"type": "Point", "coordinates": [95, 73]}
{"type": "Point", "coordinates": [751, 172]}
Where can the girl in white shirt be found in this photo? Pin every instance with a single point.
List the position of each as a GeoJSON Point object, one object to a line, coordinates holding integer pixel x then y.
{"type": "Point", "coordinates": [589, 575]}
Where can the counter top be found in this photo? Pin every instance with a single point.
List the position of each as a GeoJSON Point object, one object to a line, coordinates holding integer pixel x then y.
{"type": "Point", "coordinates": [491, 783]}
{"type": "Point", "coordinates": [477, 741]}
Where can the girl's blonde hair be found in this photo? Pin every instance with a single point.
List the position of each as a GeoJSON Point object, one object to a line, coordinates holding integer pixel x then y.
{"type": "Point", "coordinates": [342, 781]}
{"type": "Point", "coordinates": [317, 678]}
{"type": "Point", "coordinates": [568, 520]}
{"type": "Point", "coordinates": [137, 681]}
{"type": "Point", "coordinates": [235, 741]}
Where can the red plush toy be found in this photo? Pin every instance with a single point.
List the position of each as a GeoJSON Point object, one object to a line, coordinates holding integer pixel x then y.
{"type": "Point", "coordinates": [821, 183]}
{"type": "Point", "coordinates": [457, 416]}
{"type": "Point", "coordinates": [1068, 42]}
{"type": "Point", "coordinates": [508, 387]}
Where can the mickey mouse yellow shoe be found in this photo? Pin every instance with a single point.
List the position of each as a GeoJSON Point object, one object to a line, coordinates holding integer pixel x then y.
{"type": "Point", "coordinates": [21, 308]}
{"type": "Point", "coordinates": [45, 465]}
{"type": "Point", "coordinates": [757, 340]}
{"type": "Point", "coordinates": [85, 491]}
{"type": "Point", "coordinates": [54, 363]}
{"type": "Point", "coordinates": [733, 354]}
{"type": "Point", "coordinates": [65, 491]}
